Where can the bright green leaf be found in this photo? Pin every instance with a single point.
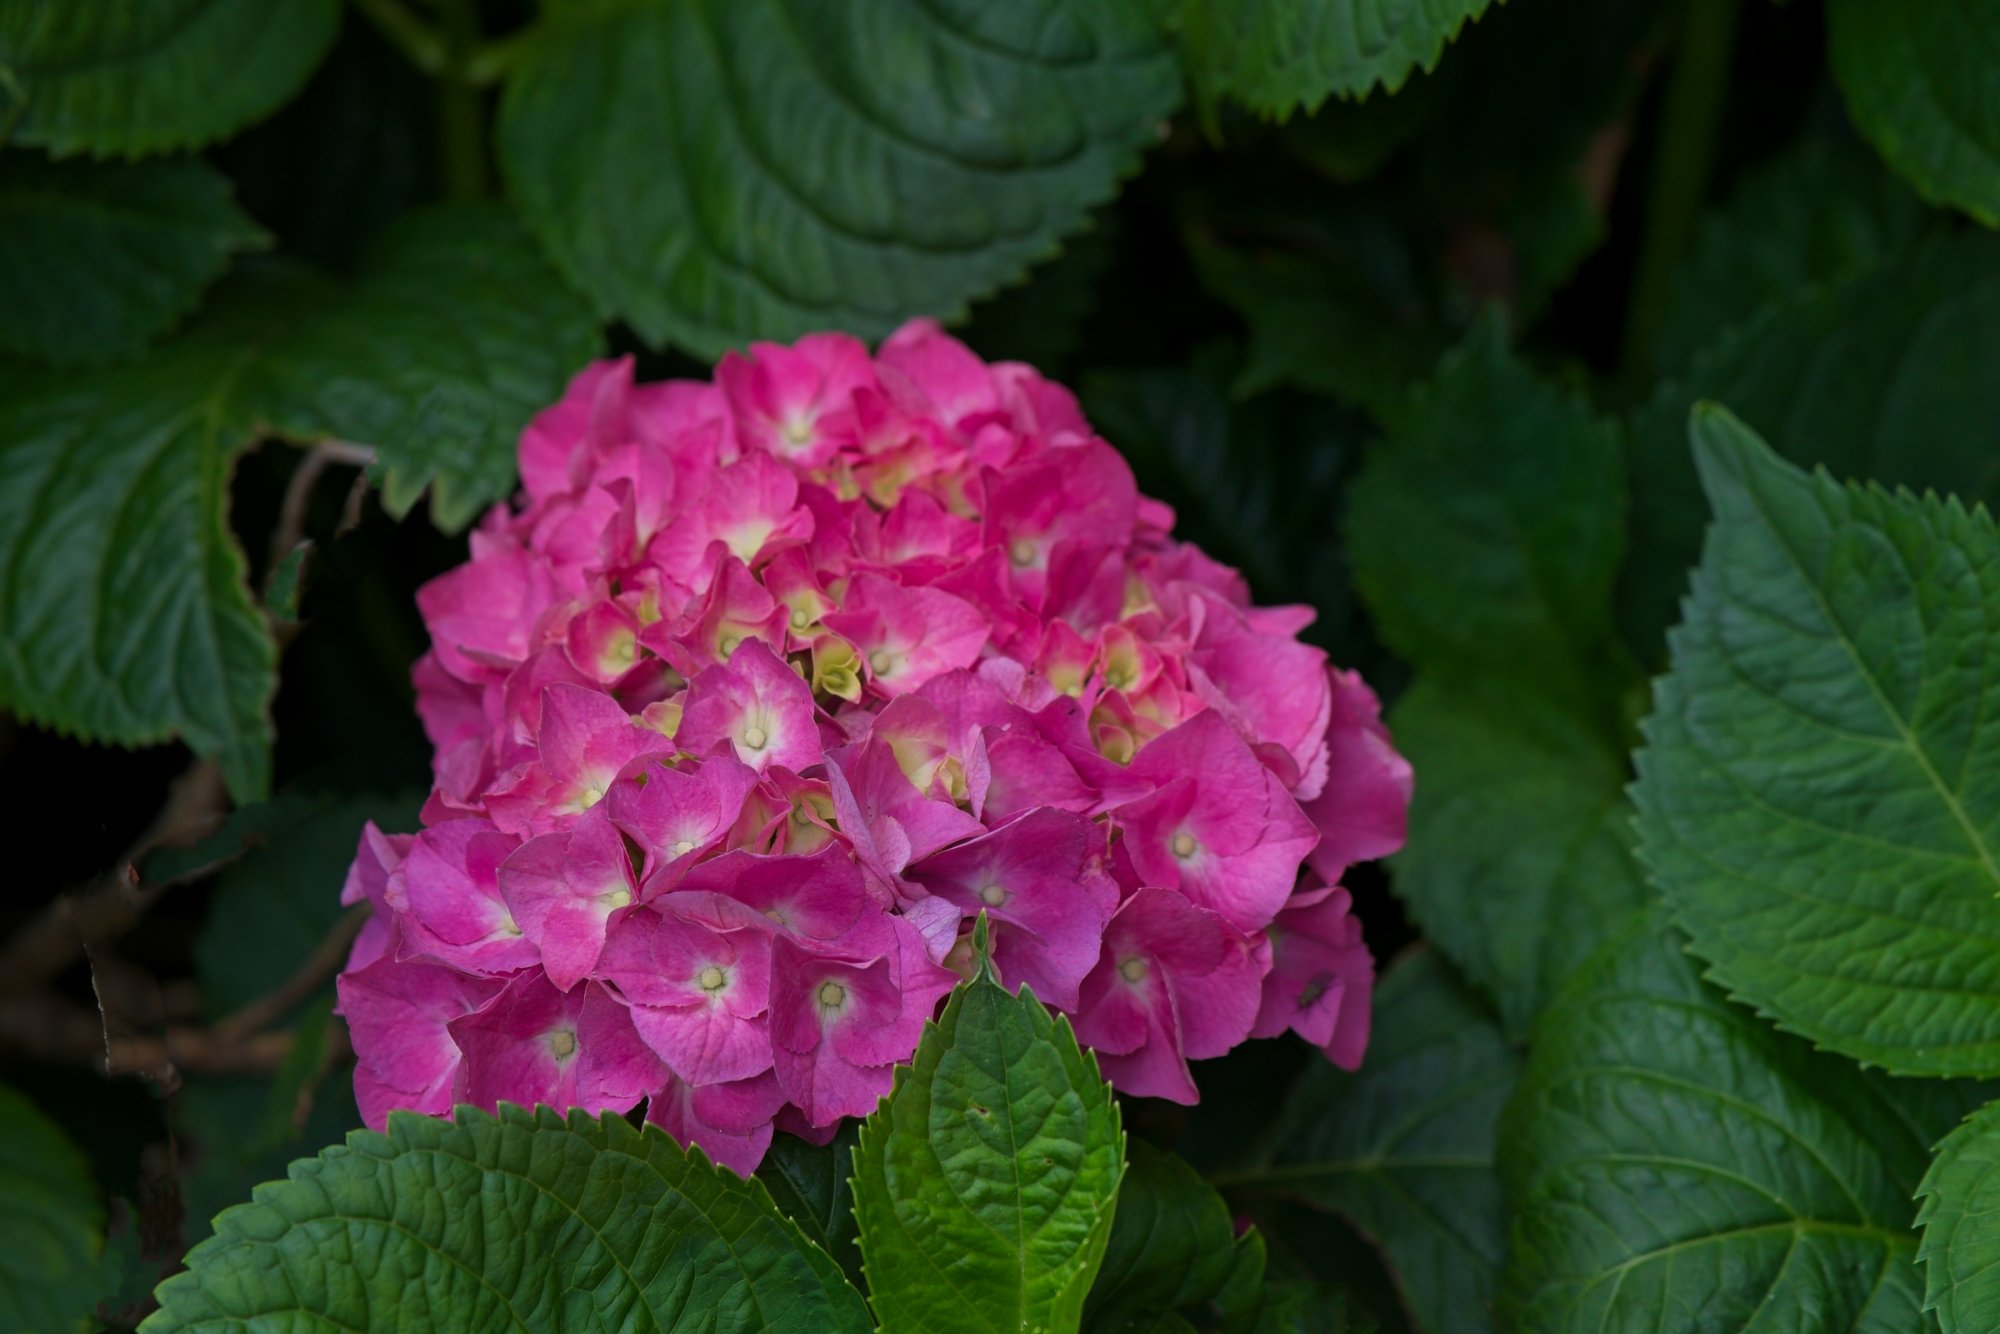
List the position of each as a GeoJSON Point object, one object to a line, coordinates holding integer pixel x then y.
{"type": "Point", "coordinates": [1519, 861]}
{"type": "Point", "coordinates": [124, 616]}
{"type": "Point", "coordinates": [812, 1185]}
{"type": "Point", "coordinates": [986, 1181]}
{"type": "Point", "coordinates": [1961, 1221]}
{"type": "Point", "coordinates": [522, 1221]}
{"type": "Point", "coordinates": [1404, 1148]}
{"type": "Point", "coordinates": [1819, 795]}
{"type": "Point", "coordinates": [1676, 1165]}
{"type": "Point", "coordinates": [1919, 84]}
{"type": "Point", "coordinates": [715, 172]}
{"type": "Point", "coordinates": [1274, 56]}
{"type": "Point", "coordinates": [1885, 376]}
{"type": "Point", "coordinates": [142, 76]}
{"type": "Point", "coordinates": [1823, 211]}
{"type": "Point", "coordinates": [1174, 1248]}
{"type": "Point", "coordinates": [51, 1226]}
{"type": "Point", "coordinates": [96, 259]}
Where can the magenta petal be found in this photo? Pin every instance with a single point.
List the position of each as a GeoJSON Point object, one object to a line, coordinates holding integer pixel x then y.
{"type": "Point", "coordinates": [731, 1122]}
{"type": "Point", "coordinates": [399, 1015]}
{"type": "Point", "coordinates": [1363, 811]}
{"type": "Point", "coordinates": [563, 890]}
{"type": "Point", "coordinates": [703, 1042]}
{"type": "Point", "coordinates": [1037, 878]}
{"type": "Point", "coordinates": [534, 1044]}
{"type": "Point", "coordinates": [1321, 977]}
{"type": "Point", "coordinates": [757, 706]}
{"type": "Point", "coordinates": [1222, 828]}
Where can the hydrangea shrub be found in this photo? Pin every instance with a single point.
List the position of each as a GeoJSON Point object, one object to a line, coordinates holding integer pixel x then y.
{"type": "Point", "coordinates": [768, 687]}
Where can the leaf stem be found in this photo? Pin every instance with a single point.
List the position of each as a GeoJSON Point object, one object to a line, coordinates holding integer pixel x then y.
{"type": "Point", "coordinates": [1689, 121]}
{"type": "Point", "coordinates": [419, 42]}
{"type": "Point", "coordinates": [461, 109]}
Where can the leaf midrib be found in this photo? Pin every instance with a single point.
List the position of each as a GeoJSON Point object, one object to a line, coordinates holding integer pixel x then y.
{"type": "Point", "coordinates": [1848, 647]}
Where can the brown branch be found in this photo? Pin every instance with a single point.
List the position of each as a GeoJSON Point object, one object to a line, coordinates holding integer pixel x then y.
{"type": "Point", "coordinates": [46, 1028]}
{"type": "Point", "coordinates": [108, 906]}
{"type": "Point", "coordinates": [323, 963]}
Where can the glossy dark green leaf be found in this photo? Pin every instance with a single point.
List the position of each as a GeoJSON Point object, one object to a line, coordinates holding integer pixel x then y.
{"type": "Point", "coordinates": [1819, 794]}
{"type": "Point", "coordinates": [1405, 1147]}
{"type": "Point", "coordinates": [143, 76]}
{"type": "Point", "coordinates": [1675, 1164]}
{"type": "Point", "coordinates": [456, 335]}
{"type": "Point", "coordinates": [1174, 1252]}
{"type": "Point", "coordinates": [716, 172]}
{"type": "Point", "coordinates": [985, 1183]}
{"type": "Point", "coordinates": [96, 259]}
{"type": "Point", "coordinates": [812, 1184]}
{"type": "Point", "coordinates": [523, 1220]}
{"type": "Point", "coordinates": [125, 616]}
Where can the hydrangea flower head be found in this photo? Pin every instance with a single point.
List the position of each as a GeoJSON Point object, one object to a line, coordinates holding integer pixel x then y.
{"type": "Point", "coordinates": [765, 689]}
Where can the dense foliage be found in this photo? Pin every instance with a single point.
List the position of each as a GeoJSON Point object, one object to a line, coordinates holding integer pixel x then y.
{"type": "Point", "coordinates": [1616, 383]}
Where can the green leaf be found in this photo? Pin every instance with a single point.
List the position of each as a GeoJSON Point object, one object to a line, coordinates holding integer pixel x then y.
{"type": "Point", "coordinates": [714, 172]}
{"type": "Point", "coordinates": [1819, 794]}
{"type": "Point", "coordinates": [1485, 534]}
{"type": "Point", "coordinates": [95, 259]}
{"type": "Point", "coordinates": [52, 1228]}
{"type": "Point", "coordinates": [521, 1220]}
{"type": "Point", "coordinates": [1677, 1165]}
{"type": "Point", "coordinates": [1961, 1221]}
{"type": "Point", "coordinates": [125, 617]}
{"type": "Point", "coordinates": [1301, 1306]}
{"type": "Point", "coordinates": [812, 1185]}
{"type": "Point", "coordinates": [274, 906]}
{"type": "Point", "coordinates": [1519, 862]}
{"type": "Point", "coordinates": [143, 76]}
{"type": "Point", "coordinates": [985, 1182]}
{"type": "Point", "coordinates": [1173, 1248]}
{"type": "Point", "coordinates": [1486, 531]}
{"type": "Point", "coordinates": [1823, 211]}
{"type": "Point", "coordinates": [1918, 80]}
{"type": "Point", "coordinates": [1404, 1148]}
{"type": "Point", "coordinates": [1342, 318]}
{"type": "Point", "coordinates": [457, 334]}
{"type": "Point", "coordinates": [1882, 376]}
{"type": "Point", "coordinates": [1274, 56]}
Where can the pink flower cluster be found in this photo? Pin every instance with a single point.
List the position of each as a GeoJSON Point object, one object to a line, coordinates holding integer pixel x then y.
{"type": "Point", "coordinates": [771, 685]}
